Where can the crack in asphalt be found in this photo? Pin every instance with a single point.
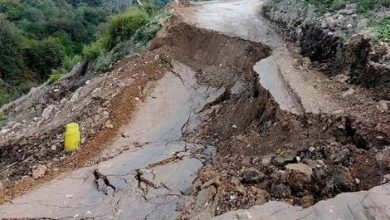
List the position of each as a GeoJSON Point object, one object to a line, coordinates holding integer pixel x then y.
{"type": "Point", "coordinates": [106, 181]}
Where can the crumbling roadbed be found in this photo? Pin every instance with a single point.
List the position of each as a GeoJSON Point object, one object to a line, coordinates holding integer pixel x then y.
{"type": "Point", "coordinates": [218, 114]}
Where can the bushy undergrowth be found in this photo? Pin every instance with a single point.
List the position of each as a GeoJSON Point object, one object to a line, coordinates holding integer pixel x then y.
{"type": "Point", "coordinates": [125, 34]}
{"type": "Point", "coordinates": [382, 30]}
{"type": "Point", "coordinates": [363, 5]}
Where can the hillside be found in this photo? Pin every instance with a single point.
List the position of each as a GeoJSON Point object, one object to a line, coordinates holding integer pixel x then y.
{"type": "Point", "coordinates": [40, 39]}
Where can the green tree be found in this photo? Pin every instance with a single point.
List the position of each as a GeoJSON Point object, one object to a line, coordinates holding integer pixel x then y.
{"type": "Point", "coordinates": [10, 49]}
{"type": "Point", "coordinates": [43, 56]}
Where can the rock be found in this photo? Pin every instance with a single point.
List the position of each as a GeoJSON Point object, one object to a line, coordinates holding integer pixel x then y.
{"type": "Point", "coordinates": [267, 160]}
{"type": "Point", "coordinates": [39, 172]}
{"type": "Point", "coordinates": [54, 147]}
{"type": "Point", "coordinates": [383, 105]}
{"type": "Point", "coordinates": [342, 78]}
{"type": "Point", "coordinates": [252, 176]}
{"type": "Point", "coordinates": [341, 155]}
{"type": "Point", "coordinates": [351, 9]}
{"type": "Point", "coordinates": [108, 124]}
{"type": "Point", "coordinates": [343, 180]}
{"type": "Point", "coordinates": [75, 96]}
{"type": "Point", "coordinates": [48, 111]}
{"type": "Point", "coordinates": [243, 216]}
{"type": "Point", "coordinates": [324, 24]}
{"type": "Point", "coordinates": [349, 26]}
{"type": "Point", "coordinates": [340, 17]}
{"type": "Point", "coordinates": [261, 196]}
{"type": "Point", "coordinates": [348, 92]}
{"type": "Point", "coordinates": [307, 201]}
{"type": "Point", "coordinates": [330, 22]}
{"type": "Point", "coordinates": [285, 157]}
{"type": "Point", "coordinates": [299, 175]}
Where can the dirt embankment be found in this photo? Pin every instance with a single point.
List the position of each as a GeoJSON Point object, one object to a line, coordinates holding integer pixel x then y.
{"type": "Point", "coordinates": [264, 153]}
{"type": "Point", "coordinates": [338, 42]}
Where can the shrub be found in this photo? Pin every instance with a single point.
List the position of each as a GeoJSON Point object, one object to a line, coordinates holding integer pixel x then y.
{"type": "Point", "coordinates": [94, 49]}
{"type": "Point", "coordinates": [69, 62]}
{"type": "Point", "coordinates": [55, 76]}
{"type": "Point", "coordinates": [123, 26]}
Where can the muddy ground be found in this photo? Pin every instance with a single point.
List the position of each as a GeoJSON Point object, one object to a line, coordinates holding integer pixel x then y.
{"type": "Point", "coordinates": [263, 152]}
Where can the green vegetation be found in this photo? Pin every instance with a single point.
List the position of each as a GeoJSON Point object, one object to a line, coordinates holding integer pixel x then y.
{"type": "Point", "coordinates": [42, 40]}
{"type": "Point", "coordinates": [3, 118]}
{"type": "Point", "coordinates": [382, 30]}
{"type": "Point", "coordinates": [124, 34]}
{"type": "Point", "coordinates": [55, 76]}
{"type": "Point", "coordinates": [363, 5]}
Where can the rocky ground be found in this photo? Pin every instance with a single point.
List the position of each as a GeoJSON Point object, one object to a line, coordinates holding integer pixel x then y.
{"type": "Point", "coordinates": [218, 114]}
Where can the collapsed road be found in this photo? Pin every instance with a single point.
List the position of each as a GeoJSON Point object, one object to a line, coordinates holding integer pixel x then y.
{"type": "Point", "coordinates": [227, 84]}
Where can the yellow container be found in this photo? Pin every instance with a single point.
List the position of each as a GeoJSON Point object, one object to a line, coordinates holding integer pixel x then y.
{"type": "Point", "coordinates": [72, 137]}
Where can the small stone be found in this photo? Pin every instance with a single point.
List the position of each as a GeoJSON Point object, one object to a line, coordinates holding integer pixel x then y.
{"type": "Point", "coordinates": [349, 26]}
{"type": "Point", "coordinates": [108, 124]}
{"type": "Point", "coordinates": [75, 96]}
{"type": "Point", "coordinates": [299, 175]}
{"type": "Point", "coordinates": [243, 216]}
{"type": "Point", "coordinates": [383, 105]}
{"type": "Point", "coordinates": [53, 147]}
{"type": "Point", "coordinates": [307, 201]}
{"type": "Point", "coordinates": [267, 160]}
{"type": "Point", "coordinates": [357, 181]}
{"type": "Point", "coordinates": [234, 126]}
{"type": "Point", "coordinates": [285, 157]}
{"type": "Point", "coordinates": [87, 82]}
{"type": "Point", "coordinates": [39, 172]}
{"type": "Point", "coordinates": [252, 176]}
{"type": "Point", "coordinates": [386, 179]}
{"type": "Point", "coordinates": [349, 92]}
{"type": "Point", "coordinates": [48, 111]}
{"type": "Point", "coordinates": [343, 180]}
{"type": "Point", "coordinates": [312, 149]}
{"type": "Point", "coordinates": [331, 23]}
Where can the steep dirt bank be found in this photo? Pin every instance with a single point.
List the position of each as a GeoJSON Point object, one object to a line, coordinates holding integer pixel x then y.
{"type": "Point", "coordinates": [338, 42]}
{"type": "Point", "coordinates": [267, 154]}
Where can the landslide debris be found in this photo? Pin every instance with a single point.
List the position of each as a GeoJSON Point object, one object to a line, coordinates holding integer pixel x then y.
{"type": "Point", "coordinates": [346, 38]}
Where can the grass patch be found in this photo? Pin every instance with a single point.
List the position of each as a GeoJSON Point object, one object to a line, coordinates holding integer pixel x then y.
{"type": "Point", "coordinates": [55, 76]}
{"type": "Point", "coordinates": [382, 30]}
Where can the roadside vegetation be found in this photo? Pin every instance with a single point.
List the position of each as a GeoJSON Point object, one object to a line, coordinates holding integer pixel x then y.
{"type": "Point", "coordinates": [364, 6]}
{"type": "Point", "coordinates": [124, 34]}
{"type": "Point", "coordinates": [382, 30]}
{"type": "Point", "coordinates": [42, 40]}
